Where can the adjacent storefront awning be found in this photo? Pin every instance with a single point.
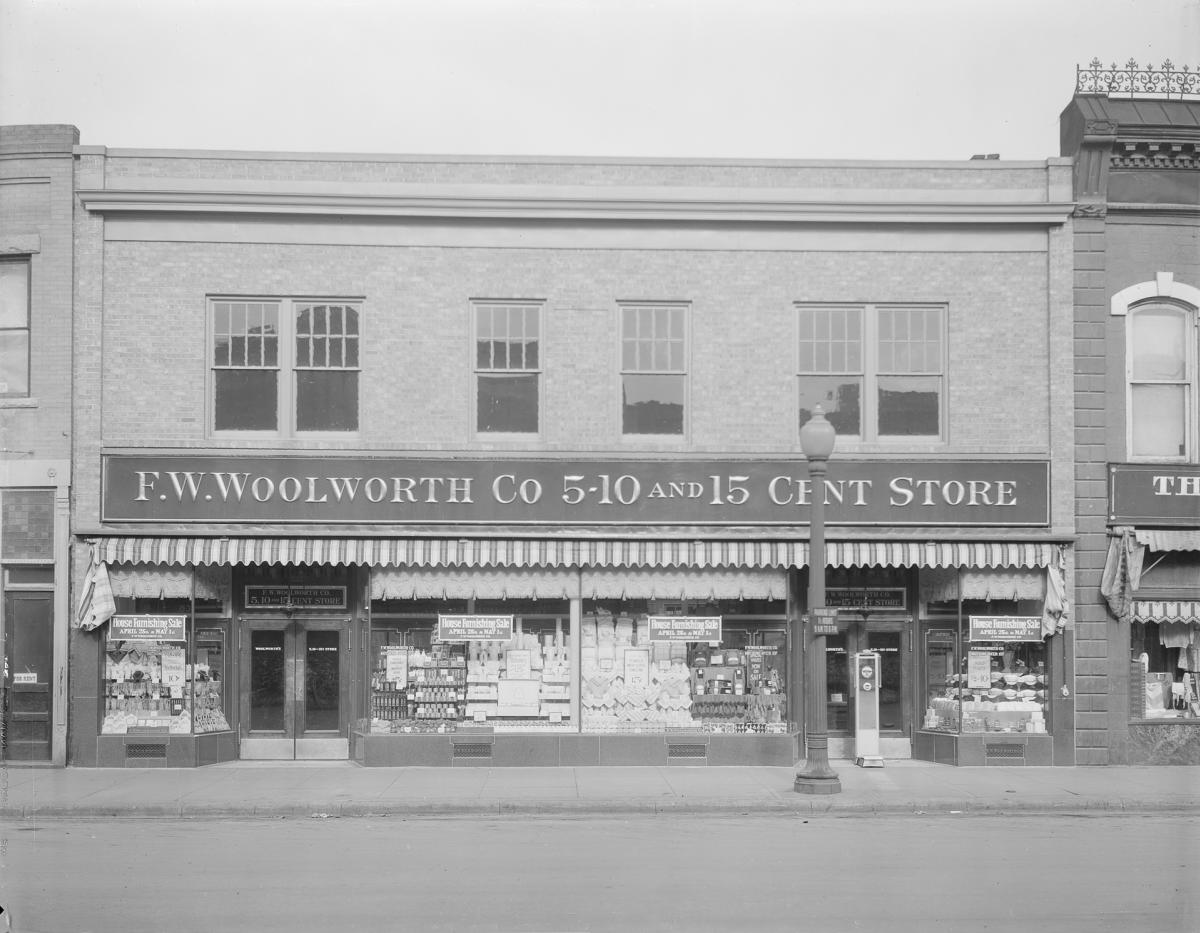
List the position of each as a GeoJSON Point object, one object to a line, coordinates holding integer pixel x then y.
{"type": "Point", "coordinates": [1160, 539]}
{"type": "Point", "coordinates": [1166, 611]}
{"type": "Point", "coordinates": [521, 552]}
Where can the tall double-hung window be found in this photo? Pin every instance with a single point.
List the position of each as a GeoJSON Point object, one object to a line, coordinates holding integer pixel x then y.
{"type": "Point", "coordinates": [14, 328]}
{"type": "Point", "coordinates": [284, 367]}
{"type": "Point", "coordinates": [508, 366]}
{"type": "Point", "coordinates": [1161, 366]}
{"type": "Point", "coordinates": [653, 368]}
{"type": "Point", "coordinates": [1162, 375]}
{"type": "Point", "coordinates": [878, 371]}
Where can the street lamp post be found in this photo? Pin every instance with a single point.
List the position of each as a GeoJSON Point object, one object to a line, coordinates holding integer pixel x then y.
{"type": "Point", "coordinates": [816, 776]}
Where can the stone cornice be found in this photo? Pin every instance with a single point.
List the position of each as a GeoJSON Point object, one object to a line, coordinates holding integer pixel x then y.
{"type": "Point", "coordinates": [598, 204]}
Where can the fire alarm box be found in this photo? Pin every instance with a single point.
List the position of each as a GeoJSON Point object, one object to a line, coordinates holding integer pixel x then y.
{"type": "Point", "coordinates": [866, 710]}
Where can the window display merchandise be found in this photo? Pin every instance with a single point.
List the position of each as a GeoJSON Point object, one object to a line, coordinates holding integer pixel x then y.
{"type": "Point", "coordinates": [520, 683]}
{"type": "Point", "coordinates": [1166, 670]}
{"type": "Point", "coordinates": [635, 679]}
{"type": "Point", "coordinates": [997, 686]}
{"type": "Point", "coordinates": [149, 686]}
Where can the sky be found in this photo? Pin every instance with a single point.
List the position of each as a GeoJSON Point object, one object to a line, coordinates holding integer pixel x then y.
{"type": "Point", "coordinates": [769, 79]}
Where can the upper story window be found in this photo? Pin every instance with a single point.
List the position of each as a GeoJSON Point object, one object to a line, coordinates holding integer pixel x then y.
{"type": "Point", "coordinates": [878, 371]}
{"type": "Point", "coordinates": [1161, 384]}
{"type": "Point", "coordinates": [1160, 364]}
{"type": "Point", "coordinates": [653, 368]}
{"type": "Point", "coordinates": [14, 328]}
{"type": "Point", "coordinates": [508, 367]}
{"type": "Point", "coordinates": [282, 367]}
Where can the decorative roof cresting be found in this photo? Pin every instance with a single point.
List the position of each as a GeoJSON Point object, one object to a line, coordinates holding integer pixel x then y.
{"type": "Point", "coordinates": [1132, 80]}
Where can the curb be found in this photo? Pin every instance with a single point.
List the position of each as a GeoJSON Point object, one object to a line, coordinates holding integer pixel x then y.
{"type": "Point", "coordinates": [565, 809]}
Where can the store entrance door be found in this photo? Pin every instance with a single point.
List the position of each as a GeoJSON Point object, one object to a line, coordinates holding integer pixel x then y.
{"type": "Point", "coordinates": [295, 689]}
{"type": "Point", "coordinates": [25, 687]}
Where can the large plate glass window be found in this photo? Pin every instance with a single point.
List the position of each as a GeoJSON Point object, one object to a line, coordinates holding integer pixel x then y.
{"type": "Point", "coordinates": [14, 328]}
{"type": "Point", "coordinates": [1160, 367]}
{"type": "Point", "coordinates": [508, 367]}
{"type": "Point", "coordinates": [653, 368]}
{"type": "Point", "coordinates": [283, 367]}
{"type": "Point", "coordinates": [878, 371]}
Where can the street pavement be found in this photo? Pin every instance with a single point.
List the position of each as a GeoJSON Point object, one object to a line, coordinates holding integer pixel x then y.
{"type": "Point", "coordinates": [264, 790]}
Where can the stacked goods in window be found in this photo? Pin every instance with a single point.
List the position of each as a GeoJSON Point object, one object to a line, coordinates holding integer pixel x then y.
{"type": "Point", "coordinates": [721, 702]}
{"type": "Point", "coordinates": [427, 693]}
{"type": "Point", "coordinates": [628, 683]}
{"type": "Point", "coordinates": [555, 693]}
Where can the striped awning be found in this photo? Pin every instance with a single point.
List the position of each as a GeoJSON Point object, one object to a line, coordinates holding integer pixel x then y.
{"type": "Point", "coordinates": [1174, 539]}
{"type": "Point", "coordinates": [1177, 610]}
{"type": "Point", "coordinates": [522, 552]}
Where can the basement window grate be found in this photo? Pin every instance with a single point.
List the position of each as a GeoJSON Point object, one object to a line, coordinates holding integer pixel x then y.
{"type": "Point", "coordinates": [473, 750]}
{"type": "Point", "coordinates": [146, 750]}
{"type": "Point", "coordinates": [1004, 750]}
{"type": "Point", "coordinates": [687, 751]}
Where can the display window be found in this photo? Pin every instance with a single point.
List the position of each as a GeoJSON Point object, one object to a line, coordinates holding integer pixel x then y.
{"type": "Point", "coordinates": [161, 673]}
{"type": "Point", "coordinates": [652, 665]}
{"type": "Point", "coordinates": [644, 666]}
{"type": "Point", "coordinates": [989, 675]}
{"type": "Point", "coordinates": [508, 670]}
{"type": "Point", "coordinates": [1166, 655]}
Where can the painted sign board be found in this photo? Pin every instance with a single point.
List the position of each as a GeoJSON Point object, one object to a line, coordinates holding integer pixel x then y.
{"type": "Point", "coordinates": [1159, 494]}
{"type": "Point", "coordinates": [474, 628]}
{"type": "Point", "coordinates": [684, 628]}
{"type": "Point", "coordinates": [147, 628]}
{"type": "Point", "coordinates": [295, 597]}
{"type": "Point", "coordinates": [1005, 628]}
{"type": "Point", "coordinates": [891, 597]}
{"type": "Point", "coordinates": [391, 490]}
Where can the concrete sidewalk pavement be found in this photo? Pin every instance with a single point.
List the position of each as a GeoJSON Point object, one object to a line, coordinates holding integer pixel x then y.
{"type": "Point", "coordinates": [343, 789]}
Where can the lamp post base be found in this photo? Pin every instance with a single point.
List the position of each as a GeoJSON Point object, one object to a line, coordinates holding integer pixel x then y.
{"type": "Point", "coordinates": [806, 784]}
{"type": "Point", "coordinates": [817, 777]}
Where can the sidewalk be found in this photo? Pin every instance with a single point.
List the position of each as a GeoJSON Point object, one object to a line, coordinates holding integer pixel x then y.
{"type": "Point", "coordinates": [336, 789]}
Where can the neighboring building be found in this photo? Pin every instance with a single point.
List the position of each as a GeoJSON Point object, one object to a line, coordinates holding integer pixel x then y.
{"type": "Point", "coordinates": [36, 250]}
{"type": "Point", "coordinates": [1134, 133]}
{"type": "Point", "coordinates": [438, 460]}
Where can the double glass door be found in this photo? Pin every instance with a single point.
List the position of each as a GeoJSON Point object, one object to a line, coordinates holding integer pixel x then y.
{"type": "Point", "coordinates": [295, 688]}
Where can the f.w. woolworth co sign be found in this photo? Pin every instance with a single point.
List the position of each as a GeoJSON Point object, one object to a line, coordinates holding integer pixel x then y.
{"type": "Point", "coordinates": [389, 490]}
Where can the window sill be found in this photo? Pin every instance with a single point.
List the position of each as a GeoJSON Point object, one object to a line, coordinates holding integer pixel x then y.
{"type": "Point", "coordinates": [1167, 721]}
{"type": "Point", "coordinates": [18, 403]}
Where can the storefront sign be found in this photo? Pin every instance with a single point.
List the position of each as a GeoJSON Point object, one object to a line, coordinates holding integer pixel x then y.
{"type": "Point", "coordinates": [637, 667]}
{"type": "Point", "coordinates": [1159, 494]}
{"type": "Point", "coordinates": [474, 628]}
{"type": "Point", "coordinates": [756, 661]}
{"type": "Point", "coordinates": [979, 669]}
{"type": "Point", "coordinates": [295, 597]}
{"type": "Point", "coordinates": [685, 628]}
{"type": "Point", "coordinates": [1005, 628]}
{"type": "Point", "coordinates": [518, 664]}
{"type": "Point", "coordinates": [892, 597]}
{"type": "Point", "coordinates": [395, 665]}
{"type": "Point", "coordinates": [172, 667]}
{"type": "Point", "coordinates": [824, 620]}
{"type": "Point", "coordinates": [518, 697]}
{"type": "Point", "coordinates": [147, 628]}
{"type": "Point", "coordinates": [390, 490]}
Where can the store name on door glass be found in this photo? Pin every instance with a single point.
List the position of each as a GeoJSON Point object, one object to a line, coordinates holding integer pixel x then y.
{"type": "Point", "coordinates": [400, 490]}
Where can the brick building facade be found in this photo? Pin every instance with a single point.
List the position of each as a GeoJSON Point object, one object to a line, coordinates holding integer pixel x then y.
{"type": "Point", "coordinates": [1137, 261]}
{"type": "Point", "coordinates": [36, 282]}
{"type": "Point", "coordinates": [562, 397]}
